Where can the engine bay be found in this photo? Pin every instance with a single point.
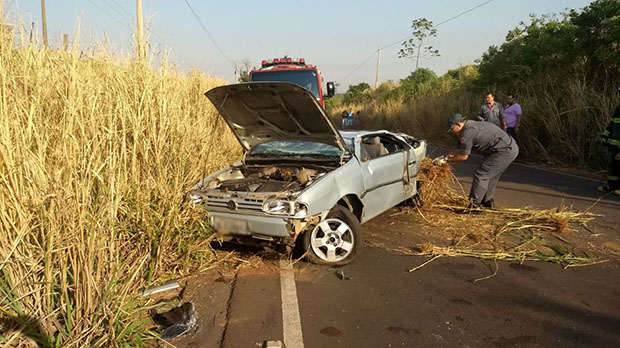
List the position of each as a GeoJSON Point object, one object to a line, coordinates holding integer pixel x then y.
{"type": "Point", "coordinates": [270, 178]}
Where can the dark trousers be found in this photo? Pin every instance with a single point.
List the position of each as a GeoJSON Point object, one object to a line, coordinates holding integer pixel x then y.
{"type": "Point", "coordinates": [613, 173]}
{"type": "Point", "coordinates": [512, 133]}
{"type": "Point", "coordinates": [487, 175]}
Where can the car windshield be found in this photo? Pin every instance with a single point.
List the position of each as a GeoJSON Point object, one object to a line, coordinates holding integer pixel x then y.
{"type": "Point", "coordinates": [304, 78]}
{"type": "Point", "coordinates": [350, 143]}
{"type": "Point", "coordinates": [294, 148]}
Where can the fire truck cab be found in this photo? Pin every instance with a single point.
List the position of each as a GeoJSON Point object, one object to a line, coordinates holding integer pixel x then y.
{"type": "Point", "coordinates": [294, 70]}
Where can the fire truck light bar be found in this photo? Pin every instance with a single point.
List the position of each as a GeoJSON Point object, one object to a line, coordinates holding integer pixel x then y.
{"type": "Point", "coordinates": [286, 60]}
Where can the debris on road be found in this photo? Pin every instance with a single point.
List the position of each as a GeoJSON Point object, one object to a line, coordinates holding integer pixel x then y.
{"type": "Point", "coordinates": [273, 344]}
{"type": "Point", "coordinates": [516, 234]}
{"type": "Point", "coordinates": [167, 286]}
{"type": "Point", "coordinates": [176, 321]}
{"type": "Point", "coordinates": [339, 272]}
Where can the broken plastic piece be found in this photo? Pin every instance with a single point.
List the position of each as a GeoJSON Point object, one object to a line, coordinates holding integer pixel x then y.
{"type": "Point", "coordinates": [273, 344]}
{"type": "Point", "coordinates": [169, 285]}
{"type": "Point", "coordinates": [176, 321]}
{"type": "Point", "coordinates": [340, 274]}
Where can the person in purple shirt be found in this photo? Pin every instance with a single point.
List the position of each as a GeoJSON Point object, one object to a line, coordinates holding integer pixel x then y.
{"type": "Point", "coordinates": [512, 115]}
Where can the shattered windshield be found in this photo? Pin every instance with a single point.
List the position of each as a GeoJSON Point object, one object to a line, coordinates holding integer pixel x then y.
{"type": "Point", "coordinates": [294, 148]}
{"type": "Point", "coordinates": [304, 78]}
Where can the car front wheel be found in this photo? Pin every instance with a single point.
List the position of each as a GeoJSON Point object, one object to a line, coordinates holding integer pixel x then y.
{"type": "Point", "coordinates": [335, 240]}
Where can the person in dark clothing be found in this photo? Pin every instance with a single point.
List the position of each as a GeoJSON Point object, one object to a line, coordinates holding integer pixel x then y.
{"type": "Point", "coordinates": [495, 145]}
{"type": "Point", "coordinates": [345, 116]}
{"type": "Point", "coordinates": [611, 138]}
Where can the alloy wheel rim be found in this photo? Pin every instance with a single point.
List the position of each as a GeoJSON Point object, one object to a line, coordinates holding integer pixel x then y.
{"type": "Point", "coordinates": [332, 240]}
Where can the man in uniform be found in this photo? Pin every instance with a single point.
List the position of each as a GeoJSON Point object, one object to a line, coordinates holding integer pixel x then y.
{"type": "Point", "coordinates": [492, 112]}
{"type": "Point", "coordinates": [498, 148]}
{"type": "Point", "coordinates": [611, 138]}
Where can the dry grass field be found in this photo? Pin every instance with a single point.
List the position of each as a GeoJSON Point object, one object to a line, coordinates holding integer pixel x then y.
{"type": "Point", "coordinates": [561, 124]}
{"type": "Point", "coordinates": [96, 152]}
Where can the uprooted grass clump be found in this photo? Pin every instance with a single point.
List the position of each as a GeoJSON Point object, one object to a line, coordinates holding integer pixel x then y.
{"type": "Point", "coordinates": [502, 233]}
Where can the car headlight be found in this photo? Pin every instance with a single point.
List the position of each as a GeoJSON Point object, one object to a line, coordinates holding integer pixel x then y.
{"type": "Point", "coordinates": [284, 207]}
{"type": "Point", "coordinates": [277, 207]}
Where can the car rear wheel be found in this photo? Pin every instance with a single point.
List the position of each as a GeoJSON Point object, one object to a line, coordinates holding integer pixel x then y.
{"type": "Point", "coordinates": [335, 240]}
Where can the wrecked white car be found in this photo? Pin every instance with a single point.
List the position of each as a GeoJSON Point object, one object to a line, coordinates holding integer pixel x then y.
{"type": "Point", "coordinates": [302, 183]}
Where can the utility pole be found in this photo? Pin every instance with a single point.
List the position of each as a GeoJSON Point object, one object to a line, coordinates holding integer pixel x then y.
{"type": "Point", "coordinates": [65, 42]}
{"type": "Point", "coordinates": [378, 65]}
{"type": "Point", "coordinates": [44, 23]}
{"type": "Point", "coordinates": [417, 59]}
{"type": "Point", "coordinates": [141, 51]}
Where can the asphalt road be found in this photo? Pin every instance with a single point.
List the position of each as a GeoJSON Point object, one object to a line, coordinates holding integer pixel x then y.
{"type": "Point", "coordinates": [380, 304]}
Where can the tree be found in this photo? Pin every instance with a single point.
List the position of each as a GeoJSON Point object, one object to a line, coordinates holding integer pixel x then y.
{"type": "Point", "coordinates": [420, 82]}
{"type": "Point", "coordinates": [421, 29]}
{"type": "Point", "coordinates": [553, 48]}
{"type": "Point", "coordinates": [355, 92]}
{"type": "Point", "coordinates": [242, 71]}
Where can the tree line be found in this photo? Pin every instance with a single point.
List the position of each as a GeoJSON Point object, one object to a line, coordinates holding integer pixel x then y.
{"type": "Point", "coordinates": [563, 68]}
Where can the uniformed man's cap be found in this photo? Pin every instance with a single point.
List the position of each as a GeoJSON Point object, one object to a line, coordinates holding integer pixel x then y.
{"type": "Point", "coordinates": [454, 119]}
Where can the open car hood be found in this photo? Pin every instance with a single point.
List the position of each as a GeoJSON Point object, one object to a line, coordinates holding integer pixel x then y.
{"type": "Point", "coordinates": [258, 112]}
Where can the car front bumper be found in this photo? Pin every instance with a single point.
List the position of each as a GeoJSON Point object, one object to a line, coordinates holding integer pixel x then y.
{"type": "Point", "coordinates": [249, 225]}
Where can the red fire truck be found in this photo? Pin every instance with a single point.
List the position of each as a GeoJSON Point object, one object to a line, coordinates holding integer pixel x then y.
{"type": "Point", "coordinates": [294, 70]}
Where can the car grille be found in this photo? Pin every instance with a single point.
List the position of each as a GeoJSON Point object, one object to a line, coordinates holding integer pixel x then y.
{"type": "Point", "coordinates": [234, 204]}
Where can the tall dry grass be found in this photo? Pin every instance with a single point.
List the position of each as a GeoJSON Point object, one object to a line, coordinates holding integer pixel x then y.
{"type": "Point", "coordinates": [561, 122]}
{"type": "Point", "coordinates": [96, 153]}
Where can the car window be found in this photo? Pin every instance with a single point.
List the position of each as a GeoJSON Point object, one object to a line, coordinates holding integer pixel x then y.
{"type": "Point", "coordinates": [374, 146]}
{"type": "Point", "coordinates": [391, 144]}
{"type": "Point", "coordinates": [288, 148]}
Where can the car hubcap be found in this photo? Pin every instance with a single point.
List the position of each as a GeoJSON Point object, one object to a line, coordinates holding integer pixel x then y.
{"type": "Point", "coordinates": [332, 240]}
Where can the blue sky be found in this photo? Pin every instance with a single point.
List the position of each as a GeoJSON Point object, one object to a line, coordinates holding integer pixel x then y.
{"type": "Point", "coordinates": [335, 35]}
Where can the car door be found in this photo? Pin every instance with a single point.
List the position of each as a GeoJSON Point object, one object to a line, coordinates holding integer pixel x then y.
{"type": "Point", "coordinates": [417, 151]}
{"type": "Point", "coordinates": [383, 175]}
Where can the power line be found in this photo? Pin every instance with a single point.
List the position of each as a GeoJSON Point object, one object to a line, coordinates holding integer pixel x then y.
{"type": "Point", "coordinates": [117, 11]}
{"type": "Point", "coordinates": [122, 8]}
{"type": "Point", "coordinates": [107, 13]}
{"type": "Point", "coordinates": [129, 17]}
{"type": "Point", "coordinates": [410, 36]}
{"type": "Point", "coordinates": [210, 37]}
{"type": "Point", "coordinates": [440, 23]}
{"type": "Point", "coordinates": [356, 69]}
{"type": "Point", "coordinates": [462, 13]}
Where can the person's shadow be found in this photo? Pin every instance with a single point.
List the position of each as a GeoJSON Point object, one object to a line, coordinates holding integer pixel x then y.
{"type": "Point", "coordinates": [28, 326]}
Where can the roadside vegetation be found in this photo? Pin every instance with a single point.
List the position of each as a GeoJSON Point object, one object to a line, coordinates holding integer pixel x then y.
{"type": "Point", "coordinates": [96, 151]}
{"type": "Point", "coordinates": [513, 234]}
{"type": "Point", "coordinates": [563, 69]}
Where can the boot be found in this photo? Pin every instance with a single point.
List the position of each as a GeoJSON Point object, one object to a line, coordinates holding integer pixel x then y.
{"type": "Point", "coordinates": [488, 204]}
{"type": "Point", "coordinates": [604, 188]}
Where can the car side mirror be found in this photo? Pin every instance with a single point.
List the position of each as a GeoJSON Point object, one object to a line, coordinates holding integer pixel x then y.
{"type": "Point", "coordinates": [331, 90]}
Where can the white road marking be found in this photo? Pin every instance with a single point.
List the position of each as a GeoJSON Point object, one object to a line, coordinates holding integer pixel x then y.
{"type": "Point", "coordinates": [291, 321]}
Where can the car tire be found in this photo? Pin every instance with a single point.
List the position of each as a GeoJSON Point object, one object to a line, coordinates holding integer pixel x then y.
{"type": "Point", "coordinates": [334, 241]}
